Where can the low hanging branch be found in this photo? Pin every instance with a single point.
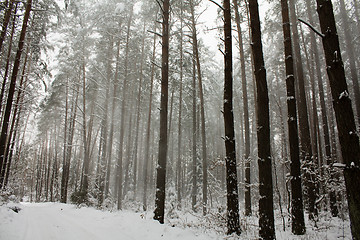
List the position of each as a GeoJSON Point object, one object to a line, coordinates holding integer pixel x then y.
{"type": "Point", "coordinates": [312, 28]}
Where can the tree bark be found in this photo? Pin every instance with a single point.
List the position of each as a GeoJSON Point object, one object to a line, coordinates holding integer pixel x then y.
{"type": "Point", "coordinates": [7, 65]}
{"type": "Point", "coordinates": [9, 102]}
{"type": "Point", "coordinates": [297, 210]}
{"type": "Point", "coordinates": [202, 109]}
{"type": "Point", "coordinates": [350, 50]}
{"type": "Point", "coordinates": [266, 206]}
{"type": "Point", "coordinates": [9, 7]}
{"type": "Point", "coordinates": [304, 128]}
{"type": "Point", "coordinates": [349, 139]}
{"type": "Point", "coordinates": [246, 113]}
{"type": "Point", "coordinates": [163, 141]}
{"type": "Point", "coordinates": [233, 224]}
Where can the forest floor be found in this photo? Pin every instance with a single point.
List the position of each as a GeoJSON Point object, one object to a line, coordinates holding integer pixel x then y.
{"type": "Point", "coordinates": [55, 221]}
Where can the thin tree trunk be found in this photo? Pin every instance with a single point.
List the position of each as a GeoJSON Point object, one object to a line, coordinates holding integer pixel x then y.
{"type": "Point", "coordinates": [15, 117]}
{"type": "Point", "coordinates": [138, 111]}
{"type": "Point", "coordinates": [148, 126]}
{"type": "Point", "coordinates": [246, 113]}
{"type": "Point", "coordinates": [202, 110]}
{"type": "Point", "coordinates": [7, 66]}
{"type": "Point", "coordinates": [112, 113]}
{"type": "Point", "coordinates": [119, 167]}
{"type": "Point", "coordinates": [178, 164]}
{"type": "Point", "coordinates": [194, 134]}
{"type": "Point", "coordinates": [9, 7]}
{"type": "Point", "coordinates": [9, 102]}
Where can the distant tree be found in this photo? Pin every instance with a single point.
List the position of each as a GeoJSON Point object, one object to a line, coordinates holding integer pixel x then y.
{"type": "Point", "coordinates": [246, 112]}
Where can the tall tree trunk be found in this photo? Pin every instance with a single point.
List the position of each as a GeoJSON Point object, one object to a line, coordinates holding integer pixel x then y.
{"type": "Point", "coordinates": [147, 159]}
{"type": "Point", "coordinates": [68, 148]}
{"type": "Point", "coordinates": [163, 141]}
{"type": "Point", "coordinates": [324, 110]}
{"type": "Point", "coordinates": [119, 167]}
{"type": "Point", "coordinates": [15, 117]}
{"type": "Point", "coordinates": [178, 163]}
{"type": "Point", "coordinates": [246, 112]}
{"type": "Point", "coordinates": [231, 172]}
{"type": "Point", "coordinates": [349, 140]}
{"type": "Point", "coordinates": [266, 206]}
{"type": "Point", "coordinates": [297, 210]}
{"type": "Point", "coordinates": [9, 7]}
{"type": "Point", "coordinates": [112, 116]}
{"type": "Point", "coordinates": [350, 50]}
{"type": "Point", "coordinates": [138, 112]}
{"type": "Point", "coordinates": [202, 109]}
{"type": "Point", "coordinates": [305, 139]}
{"type": "Point", "coordinates": [7, 65]}
{"type": "Point", "coordinates": [9, 102]}
{"type": "Point", "coordinates": [194, 136]}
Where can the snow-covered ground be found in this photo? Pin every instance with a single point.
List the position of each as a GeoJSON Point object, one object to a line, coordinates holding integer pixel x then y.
{"type": "Point", "coordinates": [51, 221]}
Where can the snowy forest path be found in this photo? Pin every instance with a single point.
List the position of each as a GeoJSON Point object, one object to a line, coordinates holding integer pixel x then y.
{"type": "Point", "coordinates": [54, 223]}
{"type": "Point", "coordinates": [57, 221]}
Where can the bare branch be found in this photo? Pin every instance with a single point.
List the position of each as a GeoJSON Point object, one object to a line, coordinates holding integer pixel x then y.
{"type": "Point", "coordinates": [217, 4]}
{"type": "Point", "coordinates": [312, 28]}
{"type": "Point", "coordinates": [157, 34]}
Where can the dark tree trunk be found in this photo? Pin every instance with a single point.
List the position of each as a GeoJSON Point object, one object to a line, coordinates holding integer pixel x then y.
{"type": "Point", "coordinates": [147, 158]}
{"type": "Point", "coordinates": [194, 138]}
{"type": "Point", "coordinates": [349, 140]}
{"type": "Point", "coordinates": [9, 7]}
{"type": "Point", "coordinates": [7, 65]}
{"type": "Point", "coordinates": [161, 168]}
{"type": "Point", "coordinates": [15, 119]}
{"type": "Point", "coordinates": [68, 149]}
{"type": "Point", "coordinates": [231, 172]}
{"type": "Point", "coordinates": [306, 151]}
{"type": "Point", "coordinates": [246, 113]}
{"type": "Point", "coordinates": [11, 92]}
{"type": "Point", "coordinates": [350, 50]}
{"type": "Point", "coordinates": [266, 206]}
{"type": "Point", "coordinates": [297, 211]}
